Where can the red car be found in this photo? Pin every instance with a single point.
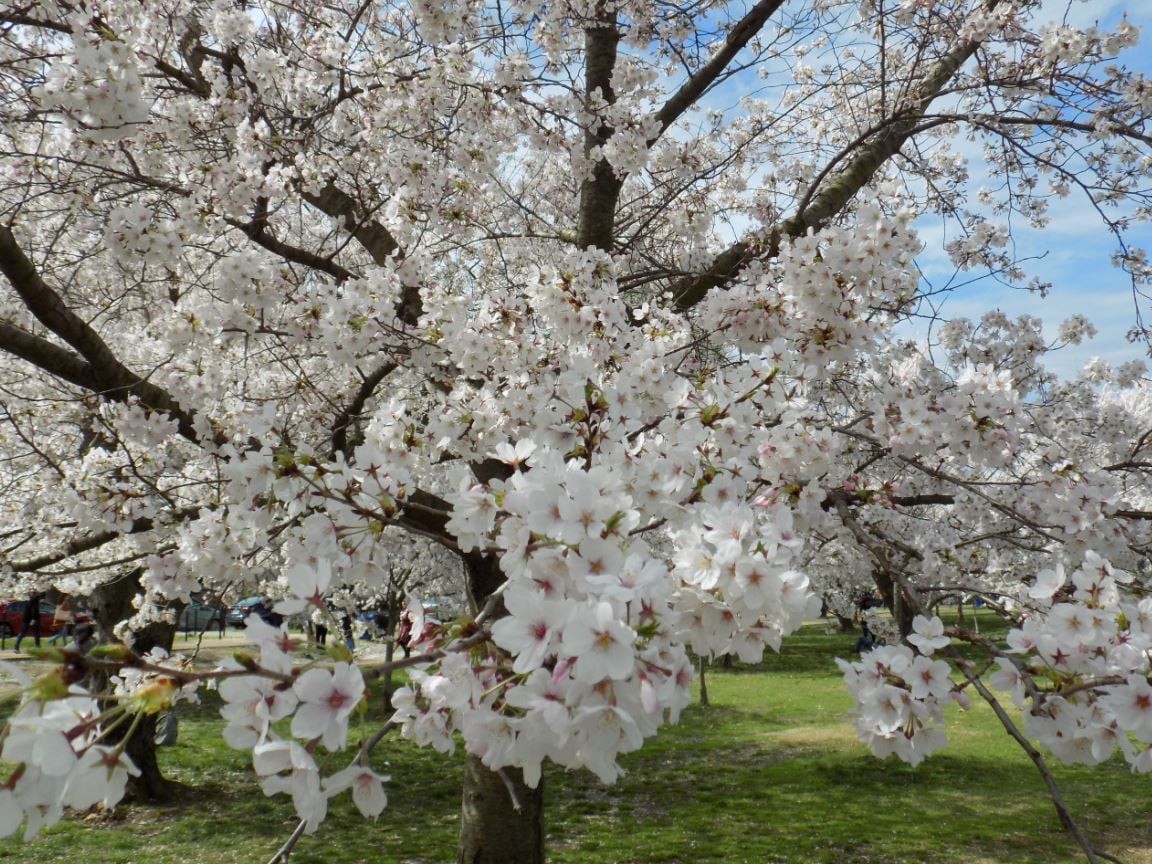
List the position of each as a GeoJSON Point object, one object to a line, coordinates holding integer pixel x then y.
{"type": "Point", "coordinates": [12, 617]}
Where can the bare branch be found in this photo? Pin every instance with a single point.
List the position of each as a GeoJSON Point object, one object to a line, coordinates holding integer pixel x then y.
{"type": "Point", "coordinates": [704, 77]}
{"type": "Point", "coordinates": [48, 356]}
{"type": "Point", "coordinates": [377, 241]}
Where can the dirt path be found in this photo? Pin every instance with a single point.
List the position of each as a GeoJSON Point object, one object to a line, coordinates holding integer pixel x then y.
{"type": "Point", "coordinates": [209, 650]}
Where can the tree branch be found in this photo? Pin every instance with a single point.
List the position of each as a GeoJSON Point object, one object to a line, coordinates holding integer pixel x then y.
{"type": "Point", "coordinates": [95, 541]}
{"type": "Point", "coordinates": [342, 442]}
{"type": "Point", "coordinates": [377, 241]}
{"type": "Point", "coordinates": [703, 78]}
{"type": "Point", "coordinates": [48, 356]}
{"type": "Point", "coordinates": [106, 375]}
{"type": "Point", "coordinates": [823, 201]}
{"type": "Point", "coordinates": [599, 193]}
{"type": "Point", "coordinates": [1091, 852]}
{"type": "Point", "coordinates": [257, 231]}
{"type": "Point", "coordinates": [21, 18]}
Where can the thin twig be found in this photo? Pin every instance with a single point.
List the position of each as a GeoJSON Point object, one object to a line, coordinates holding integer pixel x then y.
{"type": "Point", "coordinates": [1093, 854]}
{"type": "Point", "coordinates": [369, 743]}
{"type": "Point", "coordinates": [511, 789]}
{"type": "Point", "coordinates": [284, 851]}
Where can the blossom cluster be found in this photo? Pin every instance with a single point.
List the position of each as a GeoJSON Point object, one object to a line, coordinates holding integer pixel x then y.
{"type": "Point", "coordinates": [592, 648]}
{"type": "Point", "coordinates": [900, 694]}
{"type": "Point", "coordinates": [1078, 664]}
{"type": "Point", "coordinates": [58, 738]}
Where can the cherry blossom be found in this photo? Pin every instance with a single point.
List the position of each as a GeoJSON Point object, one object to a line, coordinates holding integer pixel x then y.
{"type": "Point", "coordinates": [327, 699]}
{"type": "Point", "coordinates": [367, 788]}
{"type": "Point", "coordinates": [929, 635]}
{"type": "Point", "coordinates": [295, 301]}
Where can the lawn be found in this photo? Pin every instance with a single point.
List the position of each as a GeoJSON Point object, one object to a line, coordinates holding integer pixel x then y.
{"type": "Point", "coordinates": [769, 772]}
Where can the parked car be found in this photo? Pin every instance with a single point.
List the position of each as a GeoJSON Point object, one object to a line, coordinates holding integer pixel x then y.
{"type": "Point", "coordinates": [198, 617]}
{"type": "Point", "coordinates": [441, 608]}
{"type": "Point", "coordinates": [12, 617]}
{"type": "Point", "coordinates": [239, 611]}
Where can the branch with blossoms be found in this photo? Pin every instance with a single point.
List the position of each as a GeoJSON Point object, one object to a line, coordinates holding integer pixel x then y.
{"type": "Point", "coordinates": [1076, 664]}
{"type": "Point", "coordinates": [56, 734]}
{"type": "Point", "coordinates": [94, 541]}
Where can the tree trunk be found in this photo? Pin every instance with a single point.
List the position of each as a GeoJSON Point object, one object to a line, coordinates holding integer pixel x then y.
{"type": "Point", "coordinates": [112, 603]}
{"type": "Point", "coordinates": [501, 819]}
{"type": "Point", "coordinates": [492, 829]}
{"type": "Point", "coordinates": [703, 682]}
{"type": "Point", "coordinates": [390, 642]}
{"type": "Point", "coordinates": [902, 611]}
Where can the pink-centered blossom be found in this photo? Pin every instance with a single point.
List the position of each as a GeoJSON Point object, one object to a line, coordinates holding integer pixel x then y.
{"type": "Point", "coordinates": [327, 698]}
{"type": "Point", "coordinates": [367, 788]}
{"type": "Point", "coordinates": [600, 642]}
{"type": "Point", "coordinates": [532, 628]}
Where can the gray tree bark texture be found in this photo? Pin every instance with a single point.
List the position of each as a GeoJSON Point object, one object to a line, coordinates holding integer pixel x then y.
{"type": "Point", "coordinates": [493, 830]}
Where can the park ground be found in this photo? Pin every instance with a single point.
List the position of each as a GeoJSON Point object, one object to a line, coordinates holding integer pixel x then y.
{"type": "Point", "coordinates": [769, 773]}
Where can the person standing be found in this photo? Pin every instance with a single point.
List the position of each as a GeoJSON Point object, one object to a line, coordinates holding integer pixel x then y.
{"type": "Point", "coordinates": [31, 620]}
{"type": "Point", "coordinates": [346, 629]}
{"type": "Point", "coordinates": [404, 633]}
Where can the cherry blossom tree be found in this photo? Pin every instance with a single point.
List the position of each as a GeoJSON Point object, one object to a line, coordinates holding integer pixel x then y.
{"type": "Point", "coordinates": [595, 297]}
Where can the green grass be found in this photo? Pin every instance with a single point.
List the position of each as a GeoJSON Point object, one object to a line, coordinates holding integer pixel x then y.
{"type": "Point", "coordinates": [770, 773]}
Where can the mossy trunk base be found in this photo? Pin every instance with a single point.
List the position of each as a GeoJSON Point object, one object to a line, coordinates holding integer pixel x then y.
{"type": "Point", "coordinates": [111, 603]}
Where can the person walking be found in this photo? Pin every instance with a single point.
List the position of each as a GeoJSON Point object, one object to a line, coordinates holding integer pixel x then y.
{"type": "Point", "coordinates": [63, 621]}
{"type": "Point", "coordinates": [31, 620]}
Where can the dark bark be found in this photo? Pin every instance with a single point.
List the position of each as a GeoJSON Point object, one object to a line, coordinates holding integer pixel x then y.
{"type": "Point", "coordinates": [93, 366]}
{"type": "Point", "coordinates": [377, 241]}
{"type": "Point", "coordinates": [493, 830]}
{"type": "Point", "coordinates": [902, 610]}
{"type": "Point", "coordinates": [600, 193]}
{"type": "Point", "coordinates": [711, 72]}
{"type": "Point", "coordinates": [501, 818]}
{"type": "Point", "coordinates": [112, 603]}
{"type": "Point", "coordinates": [346, 435]}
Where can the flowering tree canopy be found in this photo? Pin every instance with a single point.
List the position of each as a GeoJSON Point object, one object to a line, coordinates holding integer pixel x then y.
{"type": "Point", "coordinates": [595, 299]}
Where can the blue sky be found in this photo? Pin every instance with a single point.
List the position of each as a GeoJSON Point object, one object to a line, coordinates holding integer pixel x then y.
{"type": "Point", "coordinates": [1074, 252]}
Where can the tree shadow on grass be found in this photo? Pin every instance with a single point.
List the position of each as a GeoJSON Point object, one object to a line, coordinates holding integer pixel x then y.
{"type": "Point", "coordinates": [810, 651]}
{"type": "Point", "coordinates": [807, 802]}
